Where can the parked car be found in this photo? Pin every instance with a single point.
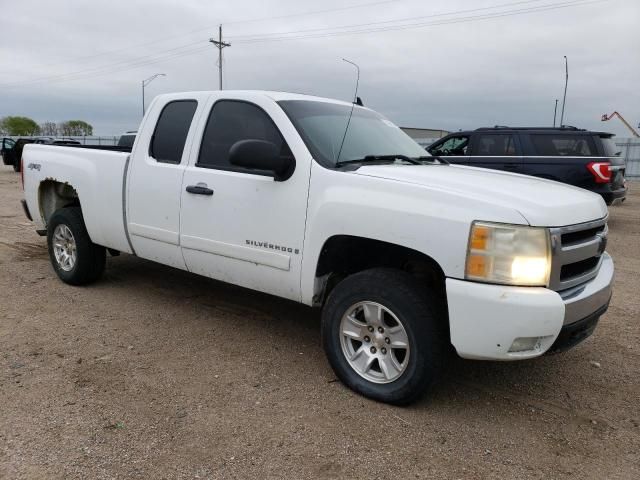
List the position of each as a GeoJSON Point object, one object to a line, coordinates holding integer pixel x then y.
{"type": "Point", "coordinates": [55, 141]}
{"type": "Point", "coordinates": [7, 144]}
{"type": "Point", "coordinates": [570, 155]}
{"type": "Point", "coordinates": [127, 139]}
{"type": "Point", "coordinates": [12, 156]}
{"type": "Point", "coordinates": [404, 254]}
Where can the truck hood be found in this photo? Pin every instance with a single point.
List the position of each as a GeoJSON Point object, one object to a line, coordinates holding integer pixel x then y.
{"type": "Point", "coordinates": [541, 202]}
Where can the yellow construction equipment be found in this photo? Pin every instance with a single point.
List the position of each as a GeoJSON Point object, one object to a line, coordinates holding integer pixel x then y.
{"type": "Point", "coordinates": [606, 117]}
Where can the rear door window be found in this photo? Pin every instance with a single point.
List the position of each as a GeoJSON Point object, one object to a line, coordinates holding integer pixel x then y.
{"type": "Point", "coordinates": [562, 145]}
{"type": "Point", "coordinates": [610, 147]}
{"type": "Point", "coordinates": [494, 145]}
{"type": "Point", "coordinates": [170, 135]}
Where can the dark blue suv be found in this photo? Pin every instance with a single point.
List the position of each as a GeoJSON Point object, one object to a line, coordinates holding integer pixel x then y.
{"type": "Point", "coordinates": [570, 155]}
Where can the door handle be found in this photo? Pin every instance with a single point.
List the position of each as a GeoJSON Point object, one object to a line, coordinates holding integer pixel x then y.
{"type": "Point", "coordinates": [200, 189]}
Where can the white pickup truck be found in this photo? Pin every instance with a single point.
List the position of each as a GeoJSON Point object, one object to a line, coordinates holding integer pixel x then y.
{"type": "Point", "coordinates": [331, 205]}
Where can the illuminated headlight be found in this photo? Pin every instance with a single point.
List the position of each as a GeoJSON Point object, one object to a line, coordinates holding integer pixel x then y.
{"type": "Point", "coordinates": [508, 254]}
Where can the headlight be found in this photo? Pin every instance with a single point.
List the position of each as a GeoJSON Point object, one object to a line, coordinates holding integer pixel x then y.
{"type": "Point", "coordinates": [508, 254]}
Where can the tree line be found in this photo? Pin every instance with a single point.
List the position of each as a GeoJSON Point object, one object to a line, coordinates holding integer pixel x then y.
{"type": "Point", "coordinates": [25, 126]}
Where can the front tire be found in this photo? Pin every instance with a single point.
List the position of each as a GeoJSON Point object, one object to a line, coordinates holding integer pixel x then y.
{"type": "Point", "coordinates": [382, 333]}
{"type": "Point", "coordinates": [75, 258]}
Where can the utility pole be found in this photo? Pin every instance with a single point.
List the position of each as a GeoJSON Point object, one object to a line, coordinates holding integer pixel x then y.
{"type": "Point", "coordinates": [219, 45]}
{"type": "Point", "coordinates": [566, 81]}
{"type": "Point", "coordinates": [555, 112]}
{"type": "Point", "coordinates": [146, 82]}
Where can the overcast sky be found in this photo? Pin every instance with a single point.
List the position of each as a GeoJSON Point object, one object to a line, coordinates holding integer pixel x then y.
{"type": "Point", "coordinates": [445, 68]}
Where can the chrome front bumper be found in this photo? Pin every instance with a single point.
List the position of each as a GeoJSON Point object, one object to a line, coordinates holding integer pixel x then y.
{"type": "Point", "coordinates": [583, 300]}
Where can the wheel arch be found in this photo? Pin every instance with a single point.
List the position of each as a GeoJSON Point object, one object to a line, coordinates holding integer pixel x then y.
{"type": "Point", "coordinates": [54, 195]}
{"type": "Point", "coordinates": [344, 255]}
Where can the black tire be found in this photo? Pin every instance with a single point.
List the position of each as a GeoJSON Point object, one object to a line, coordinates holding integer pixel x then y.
{"type": "Point", "coordinates": [90, 258]}
{"type": "Point", "coordinates": [422, 315]}
{"type": "Point", "coordinates": [16, 166]}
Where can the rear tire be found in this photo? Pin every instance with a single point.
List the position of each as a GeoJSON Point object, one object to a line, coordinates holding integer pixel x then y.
{"type": "Point", "coordinates": [74, 257]}
{"type": "Point", "coordinates": [367, 319]}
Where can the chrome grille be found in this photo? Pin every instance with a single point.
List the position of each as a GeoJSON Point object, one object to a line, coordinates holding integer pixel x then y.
{"type": "Point", "coordinates": [576, 252]}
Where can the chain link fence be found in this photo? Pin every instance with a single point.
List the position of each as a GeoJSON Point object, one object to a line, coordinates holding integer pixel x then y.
{"type": "Point", "coordinates": [84, 140]}
{"type": "Point", "coordinates": [630, 151]}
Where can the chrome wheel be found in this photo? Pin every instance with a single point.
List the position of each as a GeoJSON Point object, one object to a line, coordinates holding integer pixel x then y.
{"type": "Point", "coordinates": [64, 247]}
{"type": "Point", "coordinates": [374, 342]}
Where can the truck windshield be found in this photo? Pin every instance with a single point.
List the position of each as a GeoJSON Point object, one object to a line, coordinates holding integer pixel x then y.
{"type": "Point", "coordinates": [322, 127]}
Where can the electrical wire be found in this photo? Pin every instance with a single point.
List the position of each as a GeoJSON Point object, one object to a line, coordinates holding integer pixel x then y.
{"type": "Point", "coordinates": [443, 14]}
{"type": "Point", "coordinates": [357, 29]}
{"type": "Point", "coordinates": [354, 29]}
{"type": "Point", "coordinates": [209, 28]}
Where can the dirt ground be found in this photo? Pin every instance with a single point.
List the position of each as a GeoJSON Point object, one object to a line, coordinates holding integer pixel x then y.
{"type": "Point", "coordinates": [157, 373]}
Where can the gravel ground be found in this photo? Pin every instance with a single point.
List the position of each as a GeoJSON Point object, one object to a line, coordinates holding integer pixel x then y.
{"type": "Point", "coordinates": [157, 373]}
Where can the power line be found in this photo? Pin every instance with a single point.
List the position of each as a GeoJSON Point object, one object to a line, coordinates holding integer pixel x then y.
{"type": "Point", "coordinates": [347, 30]}
{"type": "Point", "coordinates": [108, 69]}
{"type": "Point", "coordinates": [208, 28]}
{"type": "Point", "coordinates": [171, 53]}
{"type": "Point", "coordinates": [356, 29]}
{"type": "Point", "coordinates": [316, 12]}
{"type": "Point", "coordinates": [443, 14]}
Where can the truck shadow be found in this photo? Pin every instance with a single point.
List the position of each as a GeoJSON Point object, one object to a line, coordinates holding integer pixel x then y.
{"type": "Point", "coordinates": [478, 385]}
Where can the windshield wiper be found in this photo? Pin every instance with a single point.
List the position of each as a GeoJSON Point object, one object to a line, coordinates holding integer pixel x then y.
{"type": "Point", "coordinates": [375, 158]}
{"type": "Point", "coordinates": [430, 158]}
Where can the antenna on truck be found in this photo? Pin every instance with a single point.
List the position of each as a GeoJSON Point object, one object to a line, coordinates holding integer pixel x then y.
{"type": "Point", "coordinates": [356, 101]}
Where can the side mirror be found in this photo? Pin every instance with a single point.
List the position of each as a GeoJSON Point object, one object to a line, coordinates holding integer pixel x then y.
{"type": "Point", "coordinates": [262, 155]}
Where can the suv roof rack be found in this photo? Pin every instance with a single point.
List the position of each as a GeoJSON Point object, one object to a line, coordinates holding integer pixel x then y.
{"type": "Point", "coordinates": [504, 127]}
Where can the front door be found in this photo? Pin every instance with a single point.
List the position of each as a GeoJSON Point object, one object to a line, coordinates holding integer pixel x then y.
{"type": "Point", "coordinates": [455, 148]}
{"type": "Point", "coordinates": [238, 225]}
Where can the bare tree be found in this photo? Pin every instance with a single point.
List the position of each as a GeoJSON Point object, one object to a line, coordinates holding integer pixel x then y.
{"type": "Point", "coordinates": [75, 128]}
{"type": "Point", "coordinates": [49, 129]}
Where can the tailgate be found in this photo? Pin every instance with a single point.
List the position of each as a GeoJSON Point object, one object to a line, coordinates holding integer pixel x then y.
{"type": "Point", "coordinates": [612, 151]}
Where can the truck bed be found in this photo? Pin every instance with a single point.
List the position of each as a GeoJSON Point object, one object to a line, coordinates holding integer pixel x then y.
{"type": "Point", "coordinates": [109, 148]}
{"type": "Point", "coordinates": [98, 176]}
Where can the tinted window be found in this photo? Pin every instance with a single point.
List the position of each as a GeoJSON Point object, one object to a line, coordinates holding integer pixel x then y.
{"type": "Point", "coordinates": [452, 146]}
{"type": "Point", "coordinates": [494, 145]}
{"type": "Point", "coordinates": [232, 121]}
{"type": "Point", "coordinates": [171, 131]}
{"type": "Point", "coordinates": [610, 147]}
{"type": "Point", "coordinates": [126, 140]}
{"type": "Point", "coordinates": [555, 144]}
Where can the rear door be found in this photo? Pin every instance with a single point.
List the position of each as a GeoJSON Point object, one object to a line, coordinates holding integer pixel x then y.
{"type": "Point", "coordinates": [561, 156]}
{"type": "Point", "coordinates": [495, 150]}
{"type": "Point", "coordinates": [154, 182]}
{"type": "Point", "coordinates": [7, 145]}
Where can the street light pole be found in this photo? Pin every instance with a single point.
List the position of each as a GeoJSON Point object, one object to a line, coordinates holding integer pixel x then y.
{"type": "Point", "coordinates": [566, 81]}
{"type": "Point", "coordinates": [146, 82]}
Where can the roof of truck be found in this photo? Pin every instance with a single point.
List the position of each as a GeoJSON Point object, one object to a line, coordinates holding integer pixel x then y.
{"type": "Point", "coordinates": [276, 96]}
